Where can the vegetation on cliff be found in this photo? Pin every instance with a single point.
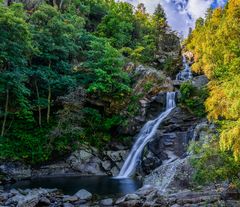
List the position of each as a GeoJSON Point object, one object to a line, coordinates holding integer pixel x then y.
{"type": "Point", "coordinates": [62, 80]}
{"type": "Point", "coordinates": [215, 44]}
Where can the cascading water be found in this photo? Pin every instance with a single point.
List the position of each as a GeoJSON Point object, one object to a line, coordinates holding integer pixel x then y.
{"type": "Point", "coordinates": [145, 135]}
{"type": "Point", "coordinates": [186, 74]}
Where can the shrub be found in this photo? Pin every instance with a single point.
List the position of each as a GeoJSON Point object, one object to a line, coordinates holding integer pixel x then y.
{"type": "Point", "coordinates": [193, 98]}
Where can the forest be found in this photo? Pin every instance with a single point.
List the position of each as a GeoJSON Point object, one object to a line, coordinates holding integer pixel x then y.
{"type": "Point", "coordinates": [56, 60]}
{"type": "Point", "coordinates": [215, 43]}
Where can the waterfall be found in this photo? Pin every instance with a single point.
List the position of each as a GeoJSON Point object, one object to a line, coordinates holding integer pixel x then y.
{"type": "Point", "coordinates": [145, 135]}
{"type": "Point", "coordinates": [186, 74]}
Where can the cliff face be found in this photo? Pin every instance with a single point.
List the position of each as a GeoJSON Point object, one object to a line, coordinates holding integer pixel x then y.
{"type": "Point", "coordinates": [169, 53]}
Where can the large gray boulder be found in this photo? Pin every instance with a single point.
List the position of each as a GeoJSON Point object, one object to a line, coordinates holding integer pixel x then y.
{"type": "Point", "coordinates": [86, 161]}
{"type": "Point", "coordinates": [28, 198]}
{"type": "Point", "coordinates": [15, 170]}
{"type": "Point", "coordinates": [200, 81]}
{"type": "Point", "coordinates": [84, 195]}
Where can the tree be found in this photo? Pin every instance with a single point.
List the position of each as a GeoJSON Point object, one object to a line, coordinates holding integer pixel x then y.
{"type": "Point", "coordinates": [215, 44]}
{"type": "Point", "coordinates": [105, 64]}
{"type": "Point", "coordinates": [15, 47]}
{"type": "Point", "coordinates": [117, 25]}
{"type": "Point", "coordinates": [55, 37]}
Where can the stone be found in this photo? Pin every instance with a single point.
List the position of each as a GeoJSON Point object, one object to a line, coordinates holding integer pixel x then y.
{"type": "Point", "coordinates": [173, 175]}
{"type": "Point", "coordinates": [106, 202]}
{"type": "Point", "coordinates": [128, 197]}
{"type": "Point", "coordinates": [15, 170]}
{"type": "Point", "coordinates": [200, 81]}
{"type": "Point", "coordinates": [150, 164]}
{"type": "Point", "coordinates": [45, 201]}
{"type": "Point", "coordinates": [132, 197]}
{"type": "Point", "coordinates": [175, 205]}
{"type": "Point", "coordinates": [70, 199]}
{"type": "Point", "coordinates": [24, 201]}
{"type": "Point", "coordinates": [68, 205]}
{"type": "Point", "coordinates": [114, 171]}
{"type": "Point", "coordinates": [83, 194]}
{"type": "Point", "coordinates": [106, 165]}
{"type": "Point", "coordinates": [30, 198]}
{"type": "Point", "coordinates": [56, 169]}
{"type": "Point", "coordinates": [117, 156]}
{"type": "Point", "coordinates": [132, 203]}
{"type": "Point", "coordinates": [4, 196]}
{"type": "Point", "coordinates": [86, 162]}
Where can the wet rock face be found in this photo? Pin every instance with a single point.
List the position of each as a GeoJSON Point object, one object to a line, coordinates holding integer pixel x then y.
{"type": "Point", "coordinates": [85, 161]}
{"type": "Point", "coordinates": [176, 174]}
{"type": "Point", "coordinates": [16, 170]}
{"type": "Point", "coordinates": [170, 142]}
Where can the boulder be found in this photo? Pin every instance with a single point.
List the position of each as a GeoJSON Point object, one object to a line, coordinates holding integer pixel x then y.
{"type": "Point", "coordinates": [83, 195]}
{"type": "Point", "coordinates": [106, 202]}
{"type": "Point", "coordinates": [70, 198]}
{"type": "Point", "coordinates": [29, 198]}
{"type": "Point", "coordinates": [200, 81]}
{"type": "Point", "coordinates": [175, 175]}
{"type": "Point", "coordinates": [86, 161]}
{"type": "Point", "coordinates": [68, 205]}
{"type": "Point", "coordinates": [15, 170]}
{"type": "Point", "coordinates": [117, 156]}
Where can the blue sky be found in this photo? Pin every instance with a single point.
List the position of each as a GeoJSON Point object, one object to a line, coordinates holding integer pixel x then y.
{"type": "Point", "coordinates": [181, 14]}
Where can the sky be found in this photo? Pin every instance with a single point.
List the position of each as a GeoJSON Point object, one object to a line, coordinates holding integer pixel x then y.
{"type": "Point", "coordinates": [181, 14]}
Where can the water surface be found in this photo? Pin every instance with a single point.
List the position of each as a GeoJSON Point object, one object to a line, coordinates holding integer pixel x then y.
{"type": "Point", "coordinates": [101, 185]}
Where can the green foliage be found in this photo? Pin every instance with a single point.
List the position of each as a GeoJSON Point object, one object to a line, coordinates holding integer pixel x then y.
{"type": "Point", "coordinates": [169, 67]}
{"type": "Point", "coordinates": [106, 65]}
{"type": "Point", "coordinates": [61, 73]}
{"type": "Point", "coordinates": [15, 38]}
{"type": "Point", "coordinates": [215, 44]}
{"type": "Point", "coordinates": [98, 127]}
{"type": "Point", "coordinates": [213, 165]}
{"type": "Point", "coordinates": [117, 25]}
{"type": "Point", "coordinates": [19, 145]}
{"type": "Point", "coordinates": [147, 86]}
{"type": "Point", "coordinates": [193, 98]}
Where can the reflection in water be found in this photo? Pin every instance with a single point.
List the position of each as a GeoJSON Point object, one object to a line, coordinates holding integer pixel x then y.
{"type": "Point", "coordinates": [101, 185]}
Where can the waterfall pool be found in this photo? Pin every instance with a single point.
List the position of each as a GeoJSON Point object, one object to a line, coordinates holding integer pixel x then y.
{"type": "Point", "coordinates": [100, 185]}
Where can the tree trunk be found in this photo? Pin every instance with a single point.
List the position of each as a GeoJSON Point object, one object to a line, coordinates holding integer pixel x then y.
{"type": "Point", "coordinates": [49, 103]}
{"type": "Point", "coordinates": [61, 3]}
{"type": "Point", "coordinates": [39, 107]}
{"type": "Point", "coordinates": [5, 114]}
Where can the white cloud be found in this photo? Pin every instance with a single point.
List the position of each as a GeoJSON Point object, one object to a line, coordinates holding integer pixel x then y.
{"type": "Point", "coordinates": [197, 8]}
{"type": "Point", "coordinates": [181, 14]}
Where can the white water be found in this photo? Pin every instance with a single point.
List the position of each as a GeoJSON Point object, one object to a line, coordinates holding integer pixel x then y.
{"type": "Point", "coordinates": [145, 135]}
{"type": "Point", "coordinates": [186, 74]}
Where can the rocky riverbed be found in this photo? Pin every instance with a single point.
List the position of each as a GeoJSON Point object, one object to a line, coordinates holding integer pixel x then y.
{"type": "Point", "coordinates": [147, 196]}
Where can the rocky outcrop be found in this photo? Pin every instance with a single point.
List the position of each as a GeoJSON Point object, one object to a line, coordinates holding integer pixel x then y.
{"type": "Point", "coordinates": [85, 161]}
{"type": "Point", "coordinates": [150, 196]}
{"type": "Point", "coordinates": [150, 81]}
{"type": "Point", "coordinates": [200, 81]}
{"type": "Point", "coordinates": [172, 176]}
{"type": "Point", "coordinates": [14, 170]}
{"type": "Point", "coordinates": [28, 198]}
{"type": "Point", "coordinates": [170, 142]}
{"type": "Point", "coordinates": [169, 49]}
{"type": "Point", "coordinates": [176, 175]}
